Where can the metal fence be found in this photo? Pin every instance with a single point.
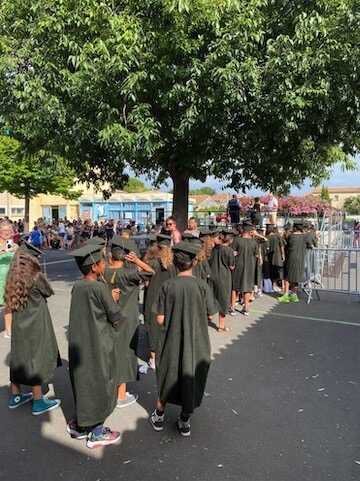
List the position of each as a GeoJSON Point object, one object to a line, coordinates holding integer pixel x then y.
{"type": "Point", "coordinates": [332, 270]}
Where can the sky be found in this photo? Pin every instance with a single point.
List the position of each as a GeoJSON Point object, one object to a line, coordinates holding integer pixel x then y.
{"type": "Point", "coordinates": [338, 178]}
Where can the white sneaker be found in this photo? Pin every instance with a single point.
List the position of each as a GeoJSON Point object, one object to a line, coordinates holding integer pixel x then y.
{"type": "Point", "coordinates": [130, 399]}
{"type": "Point", "coordinates": [7, 335]}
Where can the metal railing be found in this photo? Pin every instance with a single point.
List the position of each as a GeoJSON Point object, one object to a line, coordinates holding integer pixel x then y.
{"type": "Point", "coordinates": [332, 270]}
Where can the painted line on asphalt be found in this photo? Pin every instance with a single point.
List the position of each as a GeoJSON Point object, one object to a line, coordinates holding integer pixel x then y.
{"type": "Point", "coordinates": [51, 263]}
{"type": "Point", "coordinates": [306, 318]}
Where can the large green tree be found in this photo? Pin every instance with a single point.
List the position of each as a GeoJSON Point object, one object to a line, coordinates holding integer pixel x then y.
{"type": "Point", "coordinates": [26, 176]}
{"type": "Point", "coordinates": [256, 93]}
{"type": "Point", "coordinates": [352, 205]}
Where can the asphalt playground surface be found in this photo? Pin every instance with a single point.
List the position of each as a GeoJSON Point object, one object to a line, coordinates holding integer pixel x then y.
{"type": "Point", "coordinates": [282, 404]}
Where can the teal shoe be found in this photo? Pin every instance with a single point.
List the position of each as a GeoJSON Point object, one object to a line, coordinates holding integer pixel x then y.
{"type": "Point", "coordinates": [17, 400]}
{"type": "Point", "coordinates": [44, 405]}
{"type": "Point", "coordinates": [294, 298]}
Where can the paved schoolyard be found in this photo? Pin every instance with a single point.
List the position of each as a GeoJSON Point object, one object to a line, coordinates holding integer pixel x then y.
{"type": "Point", "coordinates": [282, 404]}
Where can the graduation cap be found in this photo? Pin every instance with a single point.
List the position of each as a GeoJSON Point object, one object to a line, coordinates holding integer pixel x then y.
{"type": "Point", "coordinates": [187, 248]}
{"type": "Point", "coordinates": [123, 243]}
{"type": "Point", "coordinates": [163, 239]}
{"type": "Point", "coordinates": [27, 248]}
{"type": "Point", "coordinates": [88, 254]}
{"type": "Point", "coordinates": [226, 232]}
{"type": "Point", "coordinates": [298, 223]}
{"type": "Point", "coordinates": [205, 232]}
{"type": "Point", "coordinates": [248, 227]}
{"type": "Point", "coordinates": [96, 241]}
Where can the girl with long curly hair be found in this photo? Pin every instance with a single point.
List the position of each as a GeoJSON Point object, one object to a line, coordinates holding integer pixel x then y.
{"type": "Point", "coordinates": [160, 258]}
{"type": "Point", "coordinates": [34, 350]}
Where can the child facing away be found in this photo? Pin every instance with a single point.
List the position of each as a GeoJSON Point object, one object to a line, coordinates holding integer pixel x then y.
{"type": "Point", "coordinates": [92, 356]}
{"type": "Point", "coordinates": [34, 350]}
{"type": "Point", "coordinates": [183, 357]}
{"type": "Point", "coordinates": [222, 263]}
{"type": "Point", "coordinates": [127, 280]}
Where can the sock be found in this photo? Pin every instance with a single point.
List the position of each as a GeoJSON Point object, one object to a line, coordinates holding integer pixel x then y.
{"type": "Point", "coordinates": [159, 413]}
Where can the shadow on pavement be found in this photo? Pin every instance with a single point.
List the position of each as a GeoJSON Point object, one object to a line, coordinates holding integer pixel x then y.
{"type": "Point", "coordinates": [281, 404]}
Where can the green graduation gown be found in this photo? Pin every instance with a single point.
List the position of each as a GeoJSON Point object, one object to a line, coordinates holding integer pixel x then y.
{"type": "Point", "coordinates": [34, 350]}
{"type": "Point", "coordinates": [92, 361]}
{"type": "Point", "coordinates": [161, 275]}
{"type": "Point", "coordinates": [183, 356]}
{"type": "Point", "coordinates": [245, 264]}
{"type": "Point", "coordinates": [295, 257]}
{"type": "Point", "coordinates": [202, 271]}
{"type": "Point", "coordinates": [221, 260]}
{"type": "Point", "coordinates": [128, 281]}
{"type": "Point", "coordinates": [276, 245]}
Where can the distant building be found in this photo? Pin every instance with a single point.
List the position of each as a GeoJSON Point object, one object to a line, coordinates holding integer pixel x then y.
{"type": "Point", "coordinates": [338, 195]}
{"type": "Point", "coordinates": [143, 208]}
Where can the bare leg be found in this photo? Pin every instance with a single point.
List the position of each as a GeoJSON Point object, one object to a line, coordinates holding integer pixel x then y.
{"type": "Point", "coordinates": [15, 389]}
{"type": "Point", "coordinates": [121, 392]}
{"type": "Point", "coordinates": [8, 320]}
{"type": "Point", "coordinates": [160, 406]}
{"type": "Point", "coordinates": [247, 297]}
{"type": "Point", "coordinates": [286, 287]}
{"type": "Point", "coordinates": [37, 393]}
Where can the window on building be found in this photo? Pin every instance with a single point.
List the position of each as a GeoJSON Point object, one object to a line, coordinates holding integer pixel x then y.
{"type": "Point", "coordinates": [2, 211]}
{"type": "Point", "coordinates": [17, 211]}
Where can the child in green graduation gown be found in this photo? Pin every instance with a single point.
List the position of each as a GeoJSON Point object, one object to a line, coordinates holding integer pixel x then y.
{"type": "Point", "coordinates": [160, 258]}
{"type": "Point", "coordinates": [183, 356]}
{"type": "Point", "coordinates": [92, 358]}
{"type": "Point", "coordinates": [127, 280]}
{"type": "Point", "coordinates": [34, 351]}
{"type": "Point", "coordinates": [222, 263]}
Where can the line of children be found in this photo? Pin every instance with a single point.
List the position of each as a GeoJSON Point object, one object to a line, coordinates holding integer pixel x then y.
{"type": "Point", "coordinates": [187, 285]}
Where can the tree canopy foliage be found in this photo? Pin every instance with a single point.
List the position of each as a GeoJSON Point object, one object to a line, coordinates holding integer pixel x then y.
{"type": "Point", "coordinates": [256, 93]}
{"type": "Point", "coordinates": [203, 191]}
{"type": "Point", "coordinates": [134, 185]}
{"type": "Point", "coordinates": [26, 176]}
{"type": "Point", "coordinates": [352, 205]}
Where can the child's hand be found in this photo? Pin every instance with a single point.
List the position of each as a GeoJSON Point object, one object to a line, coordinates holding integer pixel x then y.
{"type": "Point", "coordinates": [116, 294]}
{"type": "Point", "coordinates": [132, 257]}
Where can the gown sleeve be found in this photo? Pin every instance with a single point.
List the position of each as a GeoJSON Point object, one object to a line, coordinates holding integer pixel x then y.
{"type": "Point", "coordinates": [112, 309]}
{"type": "Point", "coordinates": [43, 286]}
{"type": "Point", "coordinates": [159, 306]}
{"type": "Point", "coordinates": [210, 301]}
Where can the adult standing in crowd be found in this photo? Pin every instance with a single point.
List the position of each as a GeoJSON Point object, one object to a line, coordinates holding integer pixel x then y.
{"type": "Point", "coordinates": [171, 228]}
{"type": "Point", "coordinates": [273, 206]}
{"type": "Point", "coordinates": [192, 228]}
{"type": "Point", "coordinates": [233, 210]}
{"type": "Point", "coordinates": [7, 249]}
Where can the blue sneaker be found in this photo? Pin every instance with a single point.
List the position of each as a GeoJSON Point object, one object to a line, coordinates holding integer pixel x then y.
{"type": "Point", "coordinates": [17, 400]}
{"type": "Point", "coordinates": [44, 405]}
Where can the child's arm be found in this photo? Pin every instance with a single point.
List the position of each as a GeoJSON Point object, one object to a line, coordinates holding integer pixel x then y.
{"type": "Point", "coordinates": [132, 257]}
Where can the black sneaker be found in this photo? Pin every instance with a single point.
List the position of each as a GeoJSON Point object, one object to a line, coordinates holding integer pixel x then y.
{"type": "Point", "coordinates": [184, 427]}
{"type": "Point", "coordinates": [156, 421]}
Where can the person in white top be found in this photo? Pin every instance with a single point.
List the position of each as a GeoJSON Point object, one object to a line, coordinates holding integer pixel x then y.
{"type": "Point", "coordinates": [272, 207]}
{"type": "Point", "coordinates": [61, 232]}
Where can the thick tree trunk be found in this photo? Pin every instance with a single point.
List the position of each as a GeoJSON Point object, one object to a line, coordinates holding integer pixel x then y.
{"type": "Point", "coordinates": [27, 214]}
{"type": "Point", "coordinates": [181, 199]}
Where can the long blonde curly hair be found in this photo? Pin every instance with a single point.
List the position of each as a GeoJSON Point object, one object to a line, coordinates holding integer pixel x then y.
{"type": "Point", "coordinates": [161, 253]}
{"type": "Point", "coordinates": [23, 272]}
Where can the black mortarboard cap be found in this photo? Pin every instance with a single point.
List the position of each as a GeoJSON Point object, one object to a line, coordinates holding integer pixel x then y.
{"type": "Point", "coordinates": [298, 223]}
{"type": "Point", "coordinates": [126, 245]}
{"type": "Point", "coordinates": [248, 227]}
{"type": "Point", "coordinates": [163, 239]}
{"type": "Point", "coordinates": [29, 249]}
{"type": "Point", "coordinates": [205, 232]}
{"type": "Point", "coordinates": [88, 254]}
{"type": "Point", "coordinates": [187, 248]}
{"type": "Point", "coordinates": [96, 241]}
